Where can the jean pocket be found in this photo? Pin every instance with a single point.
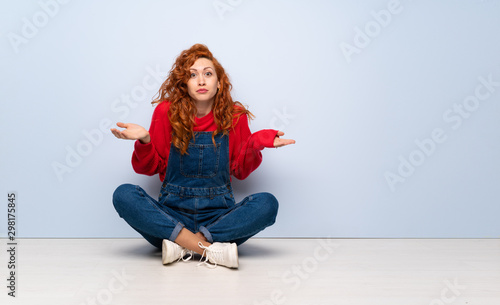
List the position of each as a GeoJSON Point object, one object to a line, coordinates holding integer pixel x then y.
{"type": "Point", "coordinates": [201, 161]}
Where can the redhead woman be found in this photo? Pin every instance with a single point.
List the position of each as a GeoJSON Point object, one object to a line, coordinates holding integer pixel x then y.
{"type": "Point", "coordinates": [198, 138]}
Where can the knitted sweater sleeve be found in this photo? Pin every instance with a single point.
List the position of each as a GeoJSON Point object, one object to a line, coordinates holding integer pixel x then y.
{"type": "Point", "coordinates": [246, 147]}
{"type": "Point", "coordinates": [152, 158]}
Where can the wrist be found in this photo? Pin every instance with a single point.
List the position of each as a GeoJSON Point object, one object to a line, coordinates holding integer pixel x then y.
{"type": "Point", "coordinates": [145, 140]}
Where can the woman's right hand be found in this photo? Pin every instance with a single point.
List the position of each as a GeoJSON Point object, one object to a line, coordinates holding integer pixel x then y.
{"type": "Point", "coordinates": [131, 132]}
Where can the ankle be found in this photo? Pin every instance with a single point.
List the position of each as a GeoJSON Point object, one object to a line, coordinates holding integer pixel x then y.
{"type": "Point", "coordinates": [202, 246]}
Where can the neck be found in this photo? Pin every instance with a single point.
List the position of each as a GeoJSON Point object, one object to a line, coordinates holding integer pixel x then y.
{"type": "Point", "coordinates": [203, 108]}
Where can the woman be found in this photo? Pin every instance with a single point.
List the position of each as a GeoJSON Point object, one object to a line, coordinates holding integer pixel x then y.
{"type": "Point", "coordinates": [198, 137]}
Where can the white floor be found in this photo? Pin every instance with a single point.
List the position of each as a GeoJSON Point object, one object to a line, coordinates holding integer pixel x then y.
{"type": "Point", "coordinates": [272, 271]}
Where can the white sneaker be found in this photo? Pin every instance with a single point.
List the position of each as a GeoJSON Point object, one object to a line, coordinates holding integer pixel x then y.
{"type": "Point", "coordinates": [224, 254]}
{"type": "Point", "coordinates": [172, 252]}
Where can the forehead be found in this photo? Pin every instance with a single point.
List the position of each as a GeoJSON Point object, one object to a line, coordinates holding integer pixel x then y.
{"type": "Point", "coordinates": [202, 63]}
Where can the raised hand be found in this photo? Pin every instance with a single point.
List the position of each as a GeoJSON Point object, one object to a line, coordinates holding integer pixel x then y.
{"type": "Point", "coordinates": [131, 132]}
{"type": "Point", "coordinates": [278, 142]}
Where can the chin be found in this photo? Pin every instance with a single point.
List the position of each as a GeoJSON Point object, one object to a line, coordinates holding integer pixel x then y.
{"type": "Point", "coordinates": [205, 99]}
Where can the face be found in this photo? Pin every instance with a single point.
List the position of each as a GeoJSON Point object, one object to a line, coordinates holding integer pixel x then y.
{"type": "Point", "coordinates": [203, 82]}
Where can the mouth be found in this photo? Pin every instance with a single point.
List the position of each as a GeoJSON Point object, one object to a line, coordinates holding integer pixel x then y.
{"type": "Point", "coordinates": [202, 90]}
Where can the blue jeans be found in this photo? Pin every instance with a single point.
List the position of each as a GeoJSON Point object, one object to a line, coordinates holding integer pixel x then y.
{"type": "Point", "coordinates": [219, 218]}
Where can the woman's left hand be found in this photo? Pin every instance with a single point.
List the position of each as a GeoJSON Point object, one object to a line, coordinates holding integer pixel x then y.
{"type": "Point", "coordinates": [278, 142]}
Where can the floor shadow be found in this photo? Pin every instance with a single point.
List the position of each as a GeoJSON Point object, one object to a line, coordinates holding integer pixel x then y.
{"type": "Point", "coordinates": [140, 250]}
{"type": "Point", "coordinates": [247, 249]}
{"type": "Point", "coordinates": [250, 249]}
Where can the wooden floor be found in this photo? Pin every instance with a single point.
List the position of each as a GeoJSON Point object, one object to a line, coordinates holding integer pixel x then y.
{"type": "Point", "coordinates": [272, 271]}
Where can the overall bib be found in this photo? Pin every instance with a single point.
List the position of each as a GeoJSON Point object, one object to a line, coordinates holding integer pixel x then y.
{"type": "Point", "coordinates": [196, 194]}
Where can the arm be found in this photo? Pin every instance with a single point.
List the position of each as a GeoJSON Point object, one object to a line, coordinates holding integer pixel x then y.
{"type": "Point", "coordinates": [151, 148]}
{"type": "Point", "coordinates": [246, 147]}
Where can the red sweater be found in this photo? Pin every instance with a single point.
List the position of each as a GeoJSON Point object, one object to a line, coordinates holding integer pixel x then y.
{"type": "Point", "coordinates": [244, 147]}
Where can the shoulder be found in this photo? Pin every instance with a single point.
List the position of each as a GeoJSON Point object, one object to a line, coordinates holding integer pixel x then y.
{"type": "Point", "coordinates": [238, 107]}
{"type": "Point", "coordinates": [161, 111]}
{"type": "Point", "coordinates": [162, 107]}
{"type": "Point", "coordinates": [239, 111]}
{"type": "Point", "coordinates": [239, 116]}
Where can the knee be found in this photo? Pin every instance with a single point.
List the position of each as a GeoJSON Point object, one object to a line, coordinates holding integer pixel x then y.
{"type": "Point", "coordinates": [269, 204]}
{"type": "Point", "coordinates": [122, 194]}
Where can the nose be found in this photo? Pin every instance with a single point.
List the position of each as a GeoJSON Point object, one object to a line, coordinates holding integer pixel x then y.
{"type": "Point", "coordinates": [201, 80]}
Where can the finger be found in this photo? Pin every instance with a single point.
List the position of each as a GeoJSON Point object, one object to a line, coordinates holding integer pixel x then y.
{"type": "Point", "coordinates": [122, 125]}
{"type": "Point", "coordinates": [115, 132]}
{"type": "Point", "coordinates": [118, 134]}
{"type": "Point", "coordinates": [284, 142]}
{"type": "Point", "coordinates": [123, 134]}
{"type": "Point", "coordinates": [280, 133]}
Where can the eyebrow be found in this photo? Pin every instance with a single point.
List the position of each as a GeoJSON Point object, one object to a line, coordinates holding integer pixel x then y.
{"type": "Point", "coordinates": [191, 69]}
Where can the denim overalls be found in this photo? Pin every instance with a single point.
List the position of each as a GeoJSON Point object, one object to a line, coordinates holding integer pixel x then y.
{"type": "Point", "coordinates": [197, 195]}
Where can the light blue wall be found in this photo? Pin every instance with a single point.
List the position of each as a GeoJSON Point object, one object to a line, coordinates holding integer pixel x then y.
{"type": "Point", "coordinates": [395, 107]}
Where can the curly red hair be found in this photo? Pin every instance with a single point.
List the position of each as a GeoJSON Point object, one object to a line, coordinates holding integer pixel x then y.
{"type": "Point", "coordinates": [182, 109]}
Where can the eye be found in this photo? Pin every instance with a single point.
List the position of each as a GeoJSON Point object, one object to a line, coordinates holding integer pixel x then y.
{"type": "Point", "coordinates": [193, 75]}
{"type": "Point", "coordinates": [208, 74]}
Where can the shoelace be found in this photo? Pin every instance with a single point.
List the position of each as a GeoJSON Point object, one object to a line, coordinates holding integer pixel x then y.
{"type": "Point", "coordinates": [215, 255]}
{"type": "Point", "coordinates": [184, 253]}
